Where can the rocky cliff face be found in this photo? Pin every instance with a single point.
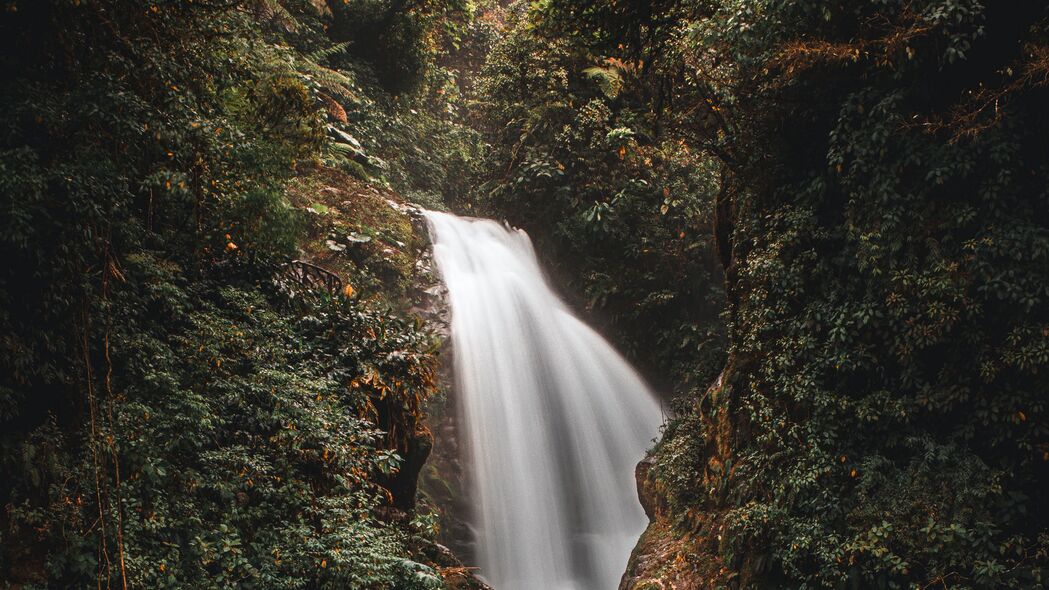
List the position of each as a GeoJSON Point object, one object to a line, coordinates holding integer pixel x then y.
{"type": "Point", "coordinates": [680, 548]}
{"type": "Point", "coordinates": [442, 485]}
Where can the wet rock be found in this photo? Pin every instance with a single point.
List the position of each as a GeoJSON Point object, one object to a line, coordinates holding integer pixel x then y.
{"type": "Point", "coordinates": [456, 576]}
{"type": "Point", "coordinates": [405, 482]}
{"type": "Point", "coordinates": [647, 493]}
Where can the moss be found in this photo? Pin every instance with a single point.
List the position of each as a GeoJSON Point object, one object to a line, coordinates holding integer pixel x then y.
{"type": "Point", "coordinates": [359, 231]}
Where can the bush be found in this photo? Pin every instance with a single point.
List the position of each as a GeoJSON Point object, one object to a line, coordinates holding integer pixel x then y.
{"type": "Point", "coordinates": [168, 419]}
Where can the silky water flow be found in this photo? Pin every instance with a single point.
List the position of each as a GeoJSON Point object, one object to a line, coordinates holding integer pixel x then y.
{"type": "Point", "coordinates": [553, 418]}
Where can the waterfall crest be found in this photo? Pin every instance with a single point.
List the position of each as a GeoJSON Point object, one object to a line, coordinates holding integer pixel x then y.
{"type": "Point", "coordinates": [554, 418]}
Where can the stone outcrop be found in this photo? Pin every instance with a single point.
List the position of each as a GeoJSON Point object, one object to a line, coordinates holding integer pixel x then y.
{"type": "Point", "coordinates": [679, 551]}
{"type": "Point", "coordinates": [646, 489]}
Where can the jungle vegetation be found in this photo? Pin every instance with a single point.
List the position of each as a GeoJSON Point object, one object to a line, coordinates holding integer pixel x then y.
{"type": "Point", "coordinates": [822, 228]}
{"type": "Point", "coordinates": [871, 177]}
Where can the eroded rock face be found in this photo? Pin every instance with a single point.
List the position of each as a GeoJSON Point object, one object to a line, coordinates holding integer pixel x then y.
{"type": "Point", "coordinates": [442, 480]}
{"type": "Point", "coordinates": [680, 551]}
{"type": "Point", "coordinates": [665, 558]}
{"type": "Point", "coordinates": [456, 576]}
{"type": "Point", "coordinates": [656, 549]}
{"type": "Point", "coordinates": [646, 489]}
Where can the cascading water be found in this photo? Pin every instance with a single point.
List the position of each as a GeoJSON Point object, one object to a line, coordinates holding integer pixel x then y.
{"type": "Point", "coordinates": [555, 419]}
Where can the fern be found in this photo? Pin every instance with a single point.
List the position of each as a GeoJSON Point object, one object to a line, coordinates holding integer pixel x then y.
{"type": "Point", "coordinates": [333, 81]}
{"type": "Point", "coordinates": [323, 54]}
{"type": "Point", "coordinates": [342, 149]}
{"type": "Point", "coordinates": [274, 11]}
{"type": "Point", "coordinates": [610, 80]}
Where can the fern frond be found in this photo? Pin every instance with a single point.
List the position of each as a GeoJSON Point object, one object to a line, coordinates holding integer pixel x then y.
{"type": "Point", "coordinates": [342, 149]}
{"type": "Point", "coordinates": [609, 79]}
{"type": "Point", "coordinates": [333, 107]}
{"type": "Point", "coordinates": [274, 11]}
{"type": "Point", "coordinates": [334, 81]}
{"type": "Point", "coordinates": [323, 54]}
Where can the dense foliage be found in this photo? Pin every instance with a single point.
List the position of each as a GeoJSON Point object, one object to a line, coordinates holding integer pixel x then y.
{"type": "Point", "coordinates": [229, 443]}
{"type": "Point", "coordinates": [890, 276]}
{"type": "Point", "coordinates": [840, 207]}
{"type": "Point", "coordinates": [170, 418]}
{"type": "Point", "coordinates": [582, 158]}
{"type": "Point", "coordinates": [874, 177]}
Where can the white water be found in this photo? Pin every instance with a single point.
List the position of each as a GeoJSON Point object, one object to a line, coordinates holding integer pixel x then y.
{"type": "Point", "coordinates": [555, 419]}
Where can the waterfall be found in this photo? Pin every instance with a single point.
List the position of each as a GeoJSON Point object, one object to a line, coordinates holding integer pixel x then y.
{"type": "Point", "coordinates": [554, 419]}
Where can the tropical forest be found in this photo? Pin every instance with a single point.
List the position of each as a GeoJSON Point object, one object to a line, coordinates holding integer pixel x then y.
{"type": "Point", "coordinates": [524, 294]}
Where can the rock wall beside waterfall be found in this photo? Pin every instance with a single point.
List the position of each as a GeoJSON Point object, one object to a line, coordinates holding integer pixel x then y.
{"type": "Point", "coordinates": [443, 478]}
{"type": "Point", "coordinates": [680, 551]}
